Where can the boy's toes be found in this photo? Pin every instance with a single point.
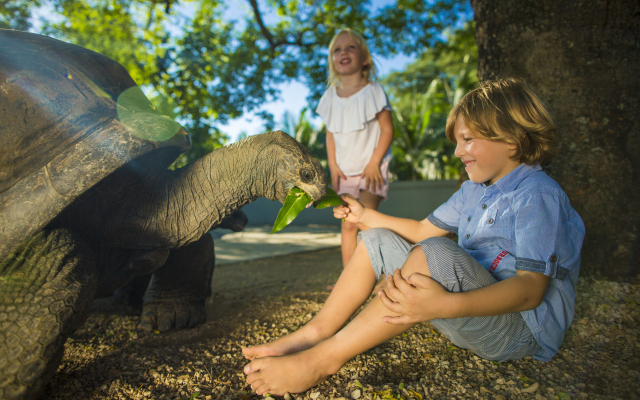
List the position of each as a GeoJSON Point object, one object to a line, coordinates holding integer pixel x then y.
{"type": "Point", "coordinates": [263, 389]}
{"type": "Point", "coordinates": [248, 353]}
{"type": "Point", "coordinates": [251, 368]}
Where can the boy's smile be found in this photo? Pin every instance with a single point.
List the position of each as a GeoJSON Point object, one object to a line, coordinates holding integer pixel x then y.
{"type": "Point", "coordinates": [484, 160]}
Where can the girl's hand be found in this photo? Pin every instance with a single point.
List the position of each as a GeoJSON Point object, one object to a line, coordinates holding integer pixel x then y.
{"type": "Point", "coordinates": [336, 174]}
{"type": "Point", "coordinates": [418, 298]}
{"type": "Point", "coordinates": [351, 212]}
{"type": "Point", "coordinates": [373, 178]}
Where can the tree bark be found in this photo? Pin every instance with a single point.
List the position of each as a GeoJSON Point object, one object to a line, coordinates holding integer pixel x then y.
{"type": "Point", "coordinates": [584, 58]}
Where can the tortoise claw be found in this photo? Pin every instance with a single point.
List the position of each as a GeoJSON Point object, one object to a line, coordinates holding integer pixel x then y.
{"type": "Point", "coordinates": [165, 316]}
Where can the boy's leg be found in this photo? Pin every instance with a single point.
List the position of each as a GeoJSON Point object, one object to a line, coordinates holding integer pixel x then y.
{"type": "Point", "coordinates": [500, 337]}
{"type": "Point", "coordinates": [350, 292]}
{"type": "Point", "coordinates": [300, 371]}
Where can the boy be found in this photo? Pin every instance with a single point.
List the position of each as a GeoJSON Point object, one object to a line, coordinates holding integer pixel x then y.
{"type": "Point", "coordinates": [505, 291]}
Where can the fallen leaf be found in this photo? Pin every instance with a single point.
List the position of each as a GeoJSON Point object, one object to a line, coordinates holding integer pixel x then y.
{"type": "Point", "coordinates": [531, 389]}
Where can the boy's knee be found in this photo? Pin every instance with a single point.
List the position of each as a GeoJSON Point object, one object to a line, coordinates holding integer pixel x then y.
{"type": "Point", "coordinates": [440, 254]}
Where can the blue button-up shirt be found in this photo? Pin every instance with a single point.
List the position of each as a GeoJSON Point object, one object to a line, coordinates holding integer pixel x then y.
{"type": "Point", "coordinates": [524, 221]}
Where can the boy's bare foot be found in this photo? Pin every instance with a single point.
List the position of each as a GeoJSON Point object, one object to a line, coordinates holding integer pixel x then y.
{"type": "Point", "coordinates": [302, 339]}
{"type": "Point", "coordinates": [293, 373]}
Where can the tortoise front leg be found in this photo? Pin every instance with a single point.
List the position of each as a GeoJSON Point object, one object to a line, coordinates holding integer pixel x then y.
{"type": "Point", "coordinates": [46, 289]}
{"type": "Point", "coordinates": [178, 290]}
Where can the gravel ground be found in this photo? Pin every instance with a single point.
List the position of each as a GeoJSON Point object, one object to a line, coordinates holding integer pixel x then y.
{"type": "Point", "coordinates": [258, 301]}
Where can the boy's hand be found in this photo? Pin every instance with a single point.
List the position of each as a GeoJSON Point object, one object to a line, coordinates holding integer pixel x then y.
{"type": "Point", "coordinates": [418, 298]}
{"type": "Point", "coordinates": [352, 211]}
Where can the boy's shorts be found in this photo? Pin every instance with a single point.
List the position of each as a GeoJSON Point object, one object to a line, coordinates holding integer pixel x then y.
{"type": "Point", "coordinates": [500, 338]}
{"type": "Point", "coordinates": [354, 184]}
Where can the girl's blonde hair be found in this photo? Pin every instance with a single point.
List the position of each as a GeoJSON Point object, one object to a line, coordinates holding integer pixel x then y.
{"type": "Point", "coordinates": [511, 111]}
{"type": "Point", "coordinates": [368, 70]}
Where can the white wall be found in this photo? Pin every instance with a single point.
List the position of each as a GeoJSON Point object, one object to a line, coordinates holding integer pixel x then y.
{"type": "Point", "coordinates": [408, 199]}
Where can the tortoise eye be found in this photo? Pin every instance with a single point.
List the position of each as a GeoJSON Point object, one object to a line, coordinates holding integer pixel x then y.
{"type": "Point", "coordinates": [307, 175]}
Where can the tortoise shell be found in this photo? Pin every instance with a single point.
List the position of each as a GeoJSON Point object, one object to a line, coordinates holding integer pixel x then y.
{"type": "Point", "coordinates": [68, 118]}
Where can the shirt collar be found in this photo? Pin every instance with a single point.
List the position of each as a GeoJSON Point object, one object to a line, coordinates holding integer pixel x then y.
{"type": "Point", "coordinates": [510, 182]}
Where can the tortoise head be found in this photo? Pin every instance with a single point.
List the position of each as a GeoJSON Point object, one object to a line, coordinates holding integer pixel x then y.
{"type": "Point", "coordinates": [296, 167]}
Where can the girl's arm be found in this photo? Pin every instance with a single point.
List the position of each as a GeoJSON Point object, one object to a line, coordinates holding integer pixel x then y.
{"type": "Point", "coordinates": [411, 230]}
{"type": "Point", "coordinates": [420, 298]}
{"type": "Point", "coordinates": [373, 178]}
{"type": "Point", "coordinates": [336, 172]}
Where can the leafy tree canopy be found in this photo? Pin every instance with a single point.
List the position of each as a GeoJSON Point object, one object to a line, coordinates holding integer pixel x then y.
{"type": "Point", "coordinates": [195, 62]}
{"type": "Point", "coordinates": [422, 96]}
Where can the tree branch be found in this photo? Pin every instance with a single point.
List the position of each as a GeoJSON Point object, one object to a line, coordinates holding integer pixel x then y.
{"type": "Point", "coordinates": [263, 28]}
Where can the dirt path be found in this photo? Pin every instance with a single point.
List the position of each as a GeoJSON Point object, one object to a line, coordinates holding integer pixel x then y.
{"type": "Point", "coordinates": [254, 302]}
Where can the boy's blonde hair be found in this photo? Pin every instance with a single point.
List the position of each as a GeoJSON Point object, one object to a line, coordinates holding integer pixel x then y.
{"type": "Point", "coordinates": [509, 110]}
{"type": "Point", "coordinates": [369, 69]}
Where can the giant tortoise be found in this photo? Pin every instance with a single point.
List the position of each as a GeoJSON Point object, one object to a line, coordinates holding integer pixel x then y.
{"type": "Point", "coordinates": [87, 202]}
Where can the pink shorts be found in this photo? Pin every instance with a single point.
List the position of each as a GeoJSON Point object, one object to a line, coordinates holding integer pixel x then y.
{"type": "Point", "coordinates": [354, 184]}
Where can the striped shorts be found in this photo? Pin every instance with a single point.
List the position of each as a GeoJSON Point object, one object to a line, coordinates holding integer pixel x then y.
{"type": "Point", "coordinates": [500, 338]}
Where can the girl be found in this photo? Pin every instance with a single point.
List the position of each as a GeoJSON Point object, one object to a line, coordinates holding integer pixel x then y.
{"type": "Point", "coordinates": [506, 290]}
{"type": "Point", "coordinates": [357, 114]}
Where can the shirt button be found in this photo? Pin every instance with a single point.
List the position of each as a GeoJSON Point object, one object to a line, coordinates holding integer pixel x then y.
{"type": "Point", "coordinates": [468, 236]}
{"type": "Point", "coordinates": [484, 206]}
{"type": "Point", "coordinates": [553, 258]}
{"type": "Point", "coordinates": [490, 220]}
{"type": "Point", "coordinates": [468, 219]}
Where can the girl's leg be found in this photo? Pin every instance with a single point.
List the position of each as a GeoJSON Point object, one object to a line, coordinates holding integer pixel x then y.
{"type": "Point", "coordinates": [350, 230]}
{"type": "Point", "coordinates": [371, 201]}
{"type": "Point", "coordinates": [350, 292]}
{"type": "Point", "coordinates": [300, 371]}
{"type": "Point", "coordinates": [349, 233]}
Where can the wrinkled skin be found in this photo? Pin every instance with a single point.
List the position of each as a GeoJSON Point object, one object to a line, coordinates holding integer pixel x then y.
{"type": "Point", "coordinates": [132, 294]}
{"type": "Point", "coordinates": [87, 203]}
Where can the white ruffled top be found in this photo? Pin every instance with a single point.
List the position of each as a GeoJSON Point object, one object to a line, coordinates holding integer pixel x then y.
{"type": "Point", "coordinates": [354, 124]}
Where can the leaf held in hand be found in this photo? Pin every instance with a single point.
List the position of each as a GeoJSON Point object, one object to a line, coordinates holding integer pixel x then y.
{"type": "Point", "coordinates": [295, 202]}
{"type": "Point", "coordinates": [331, 199]}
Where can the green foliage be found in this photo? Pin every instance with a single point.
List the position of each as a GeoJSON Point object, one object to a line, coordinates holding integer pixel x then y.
{"type": "Point", "coordinates": [303, 130]}
{"type": "Point", "coordinates": [296, 201]}
{"type": "Point", "coordinates": [15, 14]}
{"type": "Point", "coordinates": [331, 199]}
{"type": "Point", "coordinates": [422, 96]}
{"type": "Point", "coordinates": [214, 69]}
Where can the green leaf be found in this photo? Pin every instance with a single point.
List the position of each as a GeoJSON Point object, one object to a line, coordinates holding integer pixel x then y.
{"type": "Point", "coordinates": [331, 199]}
{"type": "Point", "coordinates": [525, 379]}
{"type": "Point", "coordinates": [295, 202]}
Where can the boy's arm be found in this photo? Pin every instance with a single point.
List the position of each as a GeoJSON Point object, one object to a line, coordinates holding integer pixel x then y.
{"type": "Point", "coordinates": [420, 298]}
{"type": "Point", "coordinates": [411, 230]}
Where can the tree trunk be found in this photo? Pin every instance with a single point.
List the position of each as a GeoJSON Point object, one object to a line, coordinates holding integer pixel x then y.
{"type": "Point", "coordinates": [584, 58]}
